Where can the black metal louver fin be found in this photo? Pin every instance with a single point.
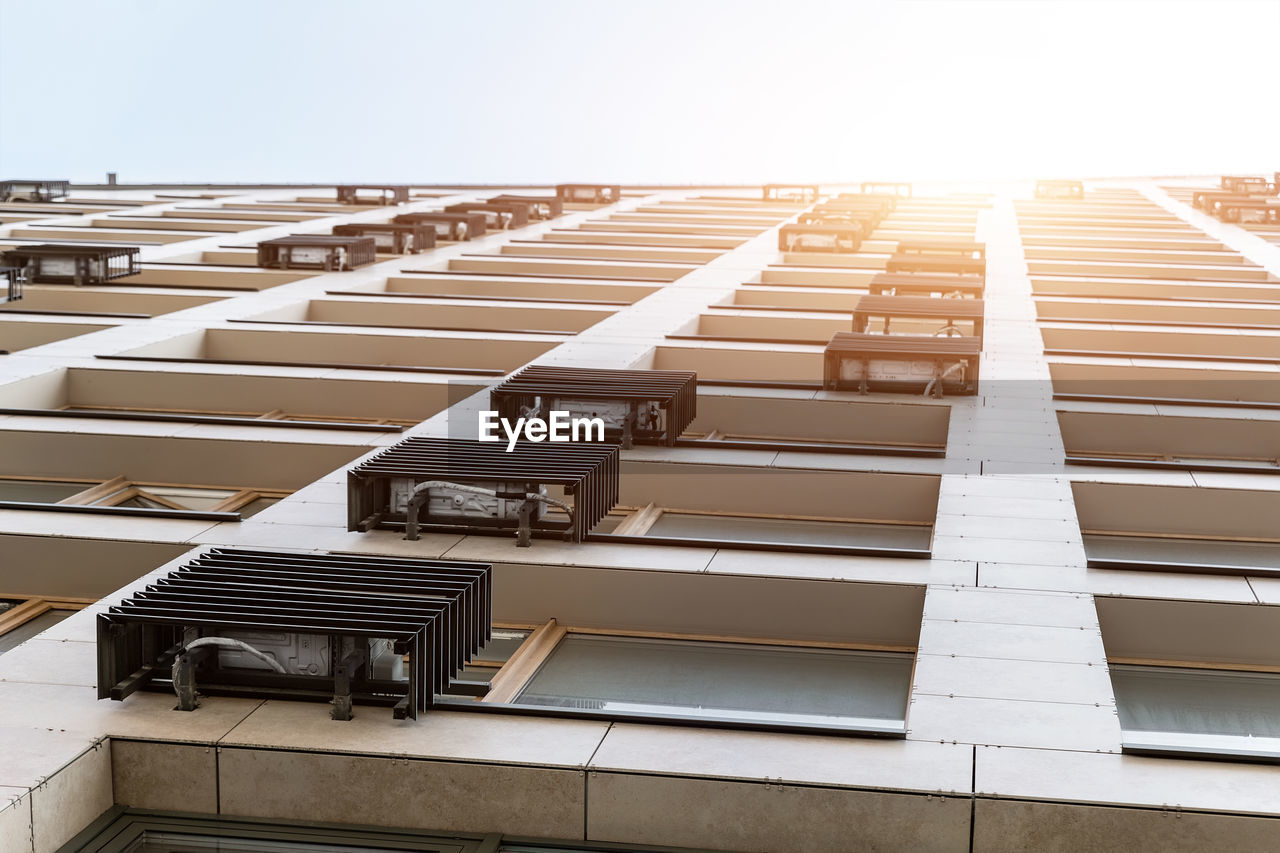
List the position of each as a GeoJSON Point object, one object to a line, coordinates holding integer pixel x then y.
{"type": "Point", "coordinates": [58, 263]}
{"type": "Point", "coordinates": [652, 406]}
{"type": "Point", "coordinates": [317, 251]}
{"type": "Point", "coordinates": [338, 627]}
{"type": "Point", "coordinates": [384, 491]}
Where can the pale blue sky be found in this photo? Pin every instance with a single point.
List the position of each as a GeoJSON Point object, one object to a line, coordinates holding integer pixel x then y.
{"type": "Point", "coordinates": [691, 91]}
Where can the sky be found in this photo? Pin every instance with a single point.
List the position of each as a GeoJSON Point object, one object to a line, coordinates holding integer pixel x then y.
{"type": "Point", "coordinates": [649, 91]}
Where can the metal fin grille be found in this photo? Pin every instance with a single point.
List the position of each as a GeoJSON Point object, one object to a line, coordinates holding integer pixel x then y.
{"type": "Point", "coordinates": [674, 391]}
{"type": "Point", "coordinates": [588, 474]}
{"type": "Point", "coordinates": [437, 613]}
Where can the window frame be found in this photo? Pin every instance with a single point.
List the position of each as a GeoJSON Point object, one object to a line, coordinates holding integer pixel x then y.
{"type": "Point", "coordinates": [1196, 745]}
{"type": "Point", "coordinates": [511, 677]}
{"type": "Point", "coordinates": [34, 606]}
{"type": "Point", "coordinates": [107, 496]}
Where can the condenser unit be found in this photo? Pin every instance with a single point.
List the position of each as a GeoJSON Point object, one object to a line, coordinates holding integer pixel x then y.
{"type": "Point", "coordinates": [387, 194]}
{"type": "Point", "coordinates": [802, 193]}
{"type": "Point", "coordinates": [930, 257]}
{"type": "Point", "coordinates": [498, 216]}
{"type": "Point", "coordinates": [1249, 185]}
{"type": "Point", "coordinates": [908, 363]}
{"type": "Point", "coordinates": [27, 190]}
{"type": "Point", "coordinates": [316, 252]}
{"type": "Point", "coordinates": [340, 628]}
{"type": "Point", "coordinates": [11, 281]}
{"type": "Point", "coordinates": [1207, 200]}
{"type": "Point", "coordinates": [448, 226]}
{"type": "Point", "coordinates": [57, 263]}
{"type": "Point", "coordinates": [645, 406]}
{"type": "Point", "coordinates": [558, 490]}
{"type": "Point", "coordinates": [946, 313]}
{"type": "Point", "coordinates": [824, 237]}
{"type": "Point", "coordinates": [1248, 210]}
{"type": "Point", "coordinates": [393, 237]}
{"type": "Point", "coordinates": [1055, 189]}
{"type": "Point", "coordinates": [540, 207]}
{"type": "Point", "coordinates": [589, 193]}
{"type": "Point", "coordinates": [866, 219]}
{"type": "Point", "coordinates": [901, 189]}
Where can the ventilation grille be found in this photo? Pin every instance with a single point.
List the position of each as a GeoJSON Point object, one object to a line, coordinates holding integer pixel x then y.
{"type": "Point", "coordinates": [377, 488]}
{"type": "Point", "coordinates": [67, 264]}
{"type": "Point", "coordinates": [400, 627]}
{"type": "Point", "coordinates": [317, 251]}
{"type": "Point", "coordinates": [541, 388]}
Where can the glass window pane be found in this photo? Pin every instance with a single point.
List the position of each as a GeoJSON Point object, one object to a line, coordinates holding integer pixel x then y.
{"type": "Point", "coordinates": [1160, 699]}
{"type": "Point", "coordinates": [793, 531]}
{"type": "Point", "coordinates": [198, 499]}
{"type": "Point", "coordinates": [34, 491]}
{"type": "Point", "coordinates": [256, 506]}
{"type": "Point", "coordinates": [30, 628]}
{"type": "Point", "coordinates": [749, 682]}
{"type": "Point", "coordinates": [152, 841]}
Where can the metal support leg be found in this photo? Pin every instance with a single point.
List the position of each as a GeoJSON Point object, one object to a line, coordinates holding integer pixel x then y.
{"type": "Point", "coordinates": [184, 681]}
{"type": "Point", "coordinates": [524, 534]}
{"type": "Point", "coordinates": [341, 709]}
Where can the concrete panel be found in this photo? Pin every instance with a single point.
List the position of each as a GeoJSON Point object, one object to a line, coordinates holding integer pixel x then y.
{"type": "Point", "coordinates": [401, 792]}
{"type": "Point", "coordinates": [176, 777]}
{"type": "Point", "coordinates": [1006, 826]}
{"type": "Point", "coordinates": [71, 798]}
{"type": "Point", "coordinates": [770, 817]}
{"type": "Point", "coordinates": [15, 820]}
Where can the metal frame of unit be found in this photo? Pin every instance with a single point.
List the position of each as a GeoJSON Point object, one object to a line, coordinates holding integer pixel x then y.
{"type": "Point", "coordinates": [449, 226]}
{"type": "Point", "coordinates": [1059, 189]}
{"type": "Point", "coordinates": [667, 399]}
{"type": "Point", "coordinates": [867, 219]}
{"type": "Point", "coordinates": [389, 194]}
{"type": "Point", "coordinates": [1247, 210]}
{"type": "Point", "coordinates": [399, 238]}
{"type": "Point", "coordinates": [499, 216]}
{"type": "Point", "coordinates": [540, 206]}
{"type": "Point", "coordinates": [925, 246]}
{"type": "Point", "coordinates": [887, 202]}
{"type": "Point", "coordinates": [802, 193]}
{"type": "Point", "coordinates": [589, 193]}
{"type": "Point", "coordinates": [918, 308]}
{"type": "Point", "coordinates": [922, 284]}
{"type": "Point", "coordinates": [824, 237]}
{"type": "Point", "coordinates": [348, 622]}
{"type": "Point", "coordinates": [901, 189]}
{"type": "Point", "coordinates": [63, 263]}
{"type": "Point", "coordinates": [884, 359]}
{"type": "Point", "coordinates": [13, 278]}
{"type": "Point", "coordinates": [394, 489]}
{"type": "Point", "coordinates": [1250, 184]}
{"type": "Point", "coordinates": [1207, 200]}
{"type": "Point", "coordinates": [38, 191]}
{"type": "Point", "coordinates": [947, 263]}
{"type": "Point", "coordinates": [317, 252]}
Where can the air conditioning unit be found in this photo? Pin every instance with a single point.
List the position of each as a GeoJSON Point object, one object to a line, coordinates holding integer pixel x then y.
{"type": "Point", "coordinates": [1055, 189]}
{"type": "Point", "coordinates": [1250, 185]}
{"type": "Point", "coordinates": [448, 226]}
{"type": "Point", "coordinates": [945, 312]}
{"type": "Point", "coordinates": [24, 190]}
{"type": "Point", "coordinates": [540, 207]}
{"type": "Point", "coordinates": [498, 216]}
{"type": "Point", "coordinates": [1247, 210]}
{"type": "Point", "coordinates": [905, 363]}
{"type": "Point", "coordinates": [801, 193]}
{"type": "Point", "coordinates": [392, 237]}
{"type": "Point", "coordinates": [346, 629]}
{"type": "Point", "coordinates": [645, 406]}
{"type": "Point", "coordinates": [824, 237]}
{"type": "Point", "coordinates": [917, 284]}
{"type": "Point", "coordinates": [954, 258]}
{"type": "Point", "coordinates": [589, 193]}
{"type": "Point", "coordinates": [386, 194]}
{"type": "Point", "coordinates": [316, 252]}
{"type": "Point", "coordinates": [470, 486]}
{"type": "Point", "coordinates": [11, 281]}
{"type": "Point", "coordinates": [900, 189]}
{"type": "Point", "coordinates": [866, 219]}
{"type": "Point", "coordinates": [74, 264]}
{"type": "Point", "coordinates": [1207, 200]}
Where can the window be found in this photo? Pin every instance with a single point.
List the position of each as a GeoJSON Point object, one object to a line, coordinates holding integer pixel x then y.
{"type": "Point", "coordinates": [22, 618]}
{"type": "Point", "coordinates": [1233, 714]}
{"type": "Point", "coordinates": [699, 680]}
{"type": "Point", "coordinates": [693, 526]}
{"type": "Point", "coordinates": [124, 493]}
